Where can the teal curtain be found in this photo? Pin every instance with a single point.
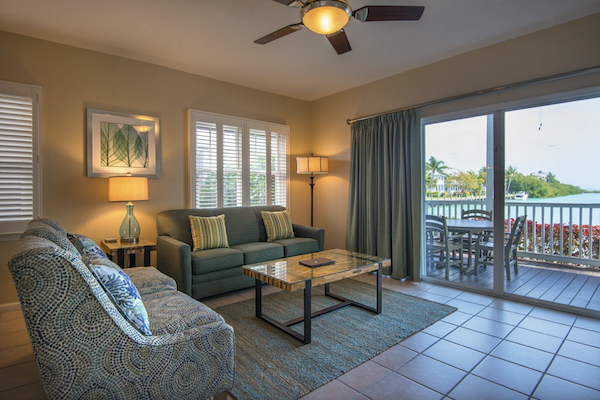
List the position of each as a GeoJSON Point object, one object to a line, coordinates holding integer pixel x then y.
{"type": "Point", "coordinates": [384, 214]}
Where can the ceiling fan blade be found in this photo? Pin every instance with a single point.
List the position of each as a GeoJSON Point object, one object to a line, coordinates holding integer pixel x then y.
{"type": "Point", "coordinates": [339, 41]}
{"type": "Point", "coordinates": [279, 33]}
{"type": "Point", "coordinates": [389, 13]}
{"type": "Point", "coordinates": [291, 3]}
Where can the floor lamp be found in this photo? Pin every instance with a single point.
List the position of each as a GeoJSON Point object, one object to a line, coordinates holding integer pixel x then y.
{"type": "Point", "coordinates": [312, 165]}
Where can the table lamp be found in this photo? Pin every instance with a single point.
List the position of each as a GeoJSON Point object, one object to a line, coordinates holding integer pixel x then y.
{"type": "Point", "coordinates": [128, 188]}
{"type": "Point", "coordinates": [312, 165]}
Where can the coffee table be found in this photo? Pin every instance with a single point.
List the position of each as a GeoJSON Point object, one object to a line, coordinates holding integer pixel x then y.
{"type": "Point", "coordinates": [288, 274]}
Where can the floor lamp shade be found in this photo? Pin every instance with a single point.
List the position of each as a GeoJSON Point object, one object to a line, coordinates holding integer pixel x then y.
{"type": "Point", "coordinates": [312, 165]}
{"type": "Point", "coordinates": [128, 188]}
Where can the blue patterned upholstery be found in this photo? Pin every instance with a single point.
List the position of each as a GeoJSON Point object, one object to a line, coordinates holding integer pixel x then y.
{"type": "Point", "coordinates": [84, 346]}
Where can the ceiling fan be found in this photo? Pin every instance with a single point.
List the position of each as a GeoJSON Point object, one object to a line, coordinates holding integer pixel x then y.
{"type": "Point", "coordinates": [329, 17]}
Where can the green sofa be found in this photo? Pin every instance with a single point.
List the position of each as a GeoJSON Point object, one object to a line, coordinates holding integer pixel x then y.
{"type": "Point", "coordinates": [205, 273]}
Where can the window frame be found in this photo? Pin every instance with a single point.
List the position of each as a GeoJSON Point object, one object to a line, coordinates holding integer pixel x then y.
{"type": "Point", "coordinates": [11, 230]}
{"type": "Point", "coordinates": [247, 126]}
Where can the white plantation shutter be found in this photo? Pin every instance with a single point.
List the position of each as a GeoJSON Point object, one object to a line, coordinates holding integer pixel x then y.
{"type": "Point", "coordinates": [19, 161]}
{"type": "Point", "coordinates": [258, 167]}
{"type": "Point", "coordinates": [206, 165]}
{"type": "Point", "coordinates": [231, 161]}
{"type": "Point", "coordinates": [279, 169]}
{"type": "Point", "coordinates": [232, 166]}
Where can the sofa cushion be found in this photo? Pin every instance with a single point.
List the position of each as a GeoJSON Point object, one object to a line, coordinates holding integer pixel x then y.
{"type": "Point", "coordinates": [176, 223]}
{"type": "Point", "coordinates": [172, 311]}
{"type": "Point", "coordinates": [242, 226]}
{"type": "Point", "coordinates": [123, 293]}
{"type": "Point", "coordinates": [215, 259]}
{"type": "Point", "coordinates": [296, 246]}
{"type": "Point", "coordinates": [209, 232]}
{"type": "Point", "coordinates": [259, 251]}
{"type": "Point", "coordinates": [278, 225]}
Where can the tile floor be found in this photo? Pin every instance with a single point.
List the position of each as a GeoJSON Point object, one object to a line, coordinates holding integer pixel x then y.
{"type": "Point", "coordinates": [489, 349]}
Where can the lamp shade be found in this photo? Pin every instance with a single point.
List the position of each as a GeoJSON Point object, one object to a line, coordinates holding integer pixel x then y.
{"type": "Point", "coordinates": [127, 188]}
{"type": "Point", "coordinates": [312, 165]}
{"type": "Point", "coordinates": [325, 17]}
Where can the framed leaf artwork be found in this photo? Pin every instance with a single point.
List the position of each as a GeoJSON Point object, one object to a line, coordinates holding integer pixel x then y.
{"type": "Point", "coordinates": [118, 143]}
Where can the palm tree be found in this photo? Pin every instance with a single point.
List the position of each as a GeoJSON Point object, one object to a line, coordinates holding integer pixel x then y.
{"type": "Point", "coordinates": [435, 166]}
{"type": "Point", "coordinates": [509, 175]}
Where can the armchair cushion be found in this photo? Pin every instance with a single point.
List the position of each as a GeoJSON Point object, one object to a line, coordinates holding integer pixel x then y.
{"type": "Point", "coordinates": [123, 293]}
{"type": "Point", "coordinates": [42, 230]}
{"type": "Point", "coordinates": [209, 232]}
{"type": "Point", "coordinates": [172, 312]}
{"type": "Point", "coordinates": [88, 246]}
{"type": "Point", "coordinates": [278, 225]}
{"type": "Point", "coordinates": [149, 280]}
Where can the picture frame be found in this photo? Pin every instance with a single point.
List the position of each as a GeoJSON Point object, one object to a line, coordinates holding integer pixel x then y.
{"type": "Point", "coordinates": [120, 143]}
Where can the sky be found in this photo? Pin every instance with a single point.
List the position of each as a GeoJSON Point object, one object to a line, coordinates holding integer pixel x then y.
{"type": "Point", "coordinates": [561, 138]}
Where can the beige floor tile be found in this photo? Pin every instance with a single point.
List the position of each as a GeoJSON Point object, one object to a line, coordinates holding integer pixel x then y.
{"type": "Point", "coordinates": [363, 376]}
{"type": "Point", "coordinates": [334, 390]}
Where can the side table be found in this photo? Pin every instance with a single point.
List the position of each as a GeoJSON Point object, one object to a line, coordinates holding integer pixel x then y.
{"type": "Point", "coordinates": [118, 249]}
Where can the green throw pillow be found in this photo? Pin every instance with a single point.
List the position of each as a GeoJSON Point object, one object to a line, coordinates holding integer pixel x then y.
{"type": "Point", "coordinates": [209, 232]}
{"type": "Point", "coordinates": [278, 225]}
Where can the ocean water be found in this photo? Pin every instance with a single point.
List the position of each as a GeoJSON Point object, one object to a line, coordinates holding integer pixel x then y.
{"type": "Point", "coordinates": [585, 198]}
{"type": "Point", "coordinates": [581, 209]}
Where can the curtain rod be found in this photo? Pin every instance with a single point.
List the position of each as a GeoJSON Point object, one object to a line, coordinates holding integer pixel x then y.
{"type": "Point", "coordinates": [550, 78]}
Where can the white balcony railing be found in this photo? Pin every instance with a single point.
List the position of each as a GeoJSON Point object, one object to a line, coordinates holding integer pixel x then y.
{"type": "Point", "coordinates": [558, 232]}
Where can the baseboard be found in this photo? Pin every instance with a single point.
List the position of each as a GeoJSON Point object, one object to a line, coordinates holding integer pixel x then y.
{"type": "Point", "coordinates": [9, 307]}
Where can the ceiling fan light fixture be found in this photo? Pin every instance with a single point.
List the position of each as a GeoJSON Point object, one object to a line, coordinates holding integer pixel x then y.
{"type": "Point", "coordinates": [326, 16]}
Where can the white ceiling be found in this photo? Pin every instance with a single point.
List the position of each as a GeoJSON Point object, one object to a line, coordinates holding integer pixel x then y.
{"type": "Point", "coordinates": [214, 38]}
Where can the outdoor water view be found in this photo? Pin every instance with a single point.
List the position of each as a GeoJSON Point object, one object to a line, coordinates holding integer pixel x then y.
{"type": "Point", "coordinates": [549, 177]}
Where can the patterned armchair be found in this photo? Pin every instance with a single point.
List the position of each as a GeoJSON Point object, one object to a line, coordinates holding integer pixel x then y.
{"type": "Point", "coordinates": [85, 346]}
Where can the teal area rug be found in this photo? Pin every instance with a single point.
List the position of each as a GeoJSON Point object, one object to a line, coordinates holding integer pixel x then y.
{"type": "Point", "coordinates": [271, 364]}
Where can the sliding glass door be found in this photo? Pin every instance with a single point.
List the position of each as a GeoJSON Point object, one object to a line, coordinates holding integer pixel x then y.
{"type": "Point", "coordinates": [547, 207]}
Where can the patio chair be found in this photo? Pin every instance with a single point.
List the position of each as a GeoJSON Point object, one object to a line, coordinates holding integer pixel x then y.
{"type": "Point", "coordinates": [475, 214]}
{"type": "Point", "coordinates": [447, 248]}
{"type": "Point", "coordinates": [485, 248]}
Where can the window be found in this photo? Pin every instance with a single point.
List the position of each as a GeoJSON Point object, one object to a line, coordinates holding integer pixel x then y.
{"type": "Point", "coordinates": [237, 162]}
{"type": "Point", "coordinates": [20, 177]}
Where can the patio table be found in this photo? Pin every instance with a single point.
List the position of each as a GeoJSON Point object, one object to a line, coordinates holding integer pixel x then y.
{"type": "Point", "coordinates": [469, 226]}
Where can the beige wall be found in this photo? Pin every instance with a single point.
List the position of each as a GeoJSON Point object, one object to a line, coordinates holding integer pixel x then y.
{"type": "Point", "coordinates": [73, 79]}
{"type": "Point", "coordinates": [559, 49]}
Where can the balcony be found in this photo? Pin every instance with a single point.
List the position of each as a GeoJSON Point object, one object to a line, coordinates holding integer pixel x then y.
{"type": "Point", "coordinates": [559, 258]}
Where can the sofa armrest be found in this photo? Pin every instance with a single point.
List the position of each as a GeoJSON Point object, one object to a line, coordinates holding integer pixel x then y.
{"type": "Point", "coordinates": [310, 232]}
{"type": "Point", "coordinates": [173, 258]}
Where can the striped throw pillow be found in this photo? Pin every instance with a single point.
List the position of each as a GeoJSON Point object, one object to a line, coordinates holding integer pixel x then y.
{"type": "Point", "coordinates": [278, 225]}
{"type": "Point", "coordinates": [209, 232]}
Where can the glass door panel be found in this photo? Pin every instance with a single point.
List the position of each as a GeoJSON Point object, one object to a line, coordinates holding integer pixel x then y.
{"type": "Point", "coordinates": [550, 178]}
{"type": "Point", "coordinates": [458, 197]}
